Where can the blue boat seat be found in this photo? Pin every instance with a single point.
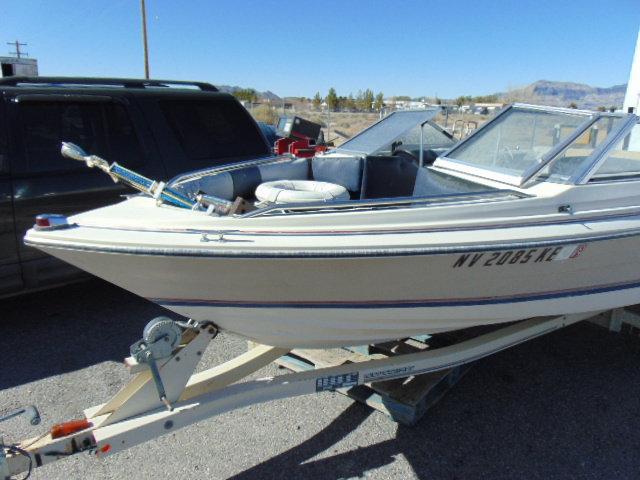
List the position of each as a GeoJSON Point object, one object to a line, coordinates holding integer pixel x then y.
{"type": "Point", "coordinates": [243, 182]}
{"type": "Point", "coordinates": [388, 177]}
{"type": "Point", "coordinates": [345, 171]}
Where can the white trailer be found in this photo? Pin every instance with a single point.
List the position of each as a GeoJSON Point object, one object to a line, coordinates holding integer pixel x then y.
{"type": "Point", "coordinates": [165, 394]}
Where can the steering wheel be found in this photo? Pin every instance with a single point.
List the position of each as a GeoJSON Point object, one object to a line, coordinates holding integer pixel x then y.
{"type": "Point", "coordinates": [509, 152]}
{"type": "Point", "coordinates": [401, 152]}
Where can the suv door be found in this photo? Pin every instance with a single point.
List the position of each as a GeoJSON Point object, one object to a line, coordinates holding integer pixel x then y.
{"type": "Point", "coordinates": [10, 272]}
{"type": "Point", "coordinates": [46, 182]}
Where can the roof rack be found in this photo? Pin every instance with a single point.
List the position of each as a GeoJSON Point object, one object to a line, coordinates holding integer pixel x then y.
{"type": "Point", "coordinates": [116, 82]}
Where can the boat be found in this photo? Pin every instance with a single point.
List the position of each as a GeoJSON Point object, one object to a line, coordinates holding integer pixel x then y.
{"type": "Point", "coordinates": [536, 213]}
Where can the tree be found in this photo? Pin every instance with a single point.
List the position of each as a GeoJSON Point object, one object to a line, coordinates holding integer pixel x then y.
{"type": "Point", "coordinates": [317, 101]}
{"type": "Point", "coordinates": [437, 101]}
{"type": "Point", "coordinates": [359, 100]}
{"type": "Point", "coordinates": [246, 94]}
{"type": "Point", "coordinates": [350, 103]}
{"type": "Point", "coordinates": [602, 108]}
{"type": "Point", "coordinates": [573, 105]}
{"type": "Point", "coordinates": [332, 99]}
{"type": "Point", "coordinates": [485, 99]}
{"type": "Point", "coordinates": [265, 113]}
{"type": "Point", "coordinates": [367, 100]}
{"type": "Point", "coordinates": [379, 103]}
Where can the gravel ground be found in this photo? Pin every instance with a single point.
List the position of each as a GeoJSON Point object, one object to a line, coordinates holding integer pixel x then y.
{"type": "Point", "coordinates": [563, 406]}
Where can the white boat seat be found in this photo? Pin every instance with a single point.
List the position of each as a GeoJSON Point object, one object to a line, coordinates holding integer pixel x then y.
{"type": "Point", "coordinates": [300, 191]}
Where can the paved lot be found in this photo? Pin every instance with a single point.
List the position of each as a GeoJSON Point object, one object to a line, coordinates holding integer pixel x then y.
{"type": "Point", "coordinates": [563, 406]}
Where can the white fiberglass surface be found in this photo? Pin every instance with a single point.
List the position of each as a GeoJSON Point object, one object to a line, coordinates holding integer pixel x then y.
{"type": "Point", "coordinates": [517, 140]}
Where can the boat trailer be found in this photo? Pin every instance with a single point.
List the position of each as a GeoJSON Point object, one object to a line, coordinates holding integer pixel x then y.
{"type": "Point", "coordinates": [165, 394]}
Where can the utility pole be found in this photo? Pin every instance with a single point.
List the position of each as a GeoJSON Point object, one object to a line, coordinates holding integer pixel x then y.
{"type": "Point", "coordinates": [144, 38]}
{"type": "Point", "coordinates": [18, 53]}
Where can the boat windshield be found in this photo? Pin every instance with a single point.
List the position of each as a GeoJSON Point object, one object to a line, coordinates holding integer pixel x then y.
{"type": "Point", "coordinates": [575, 157]}
{"type": "Point", "coordinates": [388, 131]}
{"type": "Point", "coordinates": [516, 141]}
{"type": "Point", "coordinates": [432, 137]}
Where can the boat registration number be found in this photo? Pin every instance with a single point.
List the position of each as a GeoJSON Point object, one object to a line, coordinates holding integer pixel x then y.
{"type": "Point", "coordinates": [521, 256]}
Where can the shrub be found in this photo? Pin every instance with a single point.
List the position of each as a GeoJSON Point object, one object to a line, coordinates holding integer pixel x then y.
{"type": "Point", "coordinates": [265, 113]}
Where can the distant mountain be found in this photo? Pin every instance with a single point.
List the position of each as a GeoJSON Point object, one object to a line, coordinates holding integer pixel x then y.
{"type": "Point", "coordinates": [268, 95]}
{"type": "Point", "coordinates": [562, 94]}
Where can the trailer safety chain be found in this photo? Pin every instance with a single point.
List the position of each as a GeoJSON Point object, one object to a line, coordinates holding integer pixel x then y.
{"type": "Point", "coordinates": [34, 419]}
{"type": "Point", "coordinates": [19, 451]}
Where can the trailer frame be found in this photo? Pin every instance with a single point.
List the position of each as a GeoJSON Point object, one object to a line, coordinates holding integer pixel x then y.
{"type": "Point", "coordinates": [137, 413]}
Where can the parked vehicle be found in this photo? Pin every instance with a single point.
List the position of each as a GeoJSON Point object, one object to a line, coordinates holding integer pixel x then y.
{"type": "Point", "coordinates": [160, 128]}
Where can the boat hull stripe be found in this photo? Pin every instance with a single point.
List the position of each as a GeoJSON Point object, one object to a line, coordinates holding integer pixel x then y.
{"type": "Point", "coordinates": [458, 302]}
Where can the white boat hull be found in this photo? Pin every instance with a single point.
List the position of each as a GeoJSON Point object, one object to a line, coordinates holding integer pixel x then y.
{"type": "Point", "coordinates": [332, 301]}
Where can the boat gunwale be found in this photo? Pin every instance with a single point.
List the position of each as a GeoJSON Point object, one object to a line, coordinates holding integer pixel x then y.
{"type": "Point", "coordinates": [326, 253]}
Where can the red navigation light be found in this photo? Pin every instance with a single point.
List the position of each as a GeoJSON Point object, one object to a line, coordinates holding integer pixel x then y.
{"type": "Point", "coordinates": [42, 221]}
{"type": "Point", "coordinates": [51, 221]}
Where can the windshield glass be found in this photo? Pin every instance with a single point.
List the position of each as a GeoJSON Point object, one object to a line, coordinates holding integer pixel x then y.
{"type": "Point", "coordinates": [623, 160]}
{"type": "Point", "coordinates": [432, 138]}
{"type": "Point", "coordinates": [517, 140]}
{"type": "Point", "coordinates": [573, 158]}
{"type": "Point", "coordinates": [386, 131]}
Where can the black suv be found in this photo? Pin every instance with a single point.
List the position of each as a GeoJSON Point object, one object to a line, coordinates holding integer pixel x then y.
{"type": "Point", "coordinates": [157, 128]}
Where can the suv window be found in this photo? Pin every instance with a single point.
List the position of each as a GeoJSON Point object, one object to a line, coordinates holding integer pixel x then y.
{"type": "Point", "coordinates": [4, 147]}
{"type": "Point", "coordinates": [103, 129]}
{"type": "Point", "coordinates": [209, 130]}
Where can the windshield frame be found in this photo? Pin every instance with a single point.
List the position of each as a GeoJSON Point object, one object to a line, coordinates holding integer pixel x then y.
{"type": "Point", "coordinates": [449, 162]}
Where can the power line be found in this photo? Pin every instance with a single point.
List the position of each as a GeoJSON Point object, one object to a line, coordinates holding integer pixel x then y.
{"type": "Point", "coordinates": [18, 53]}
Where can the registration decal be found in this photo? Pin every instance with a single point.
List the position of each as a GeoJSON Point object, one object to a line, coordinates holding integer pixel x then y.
{"type": "Point", "coordinates": [521, 256]}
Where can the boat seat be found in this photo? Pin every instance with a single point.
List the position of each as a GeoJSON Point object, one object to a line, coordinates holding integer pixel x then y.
{"type": "Point", "coordinates": [243, 182]}
{"type": "Point", "coordinates": [341, 170]}
{"type": "Point", "coordinates": [388, 177]}
{"type": "Point", "coordinates": [246, 180]}
{"type": "Point", "coordinates": [220, 185]}
{"type": "Point", "coordinates": [298, 169]}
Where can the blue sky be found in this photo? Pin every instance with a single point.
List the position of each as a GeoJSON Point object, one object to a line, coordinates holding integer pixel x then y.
{"type": "Point", "coordinates": [416, 48]}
